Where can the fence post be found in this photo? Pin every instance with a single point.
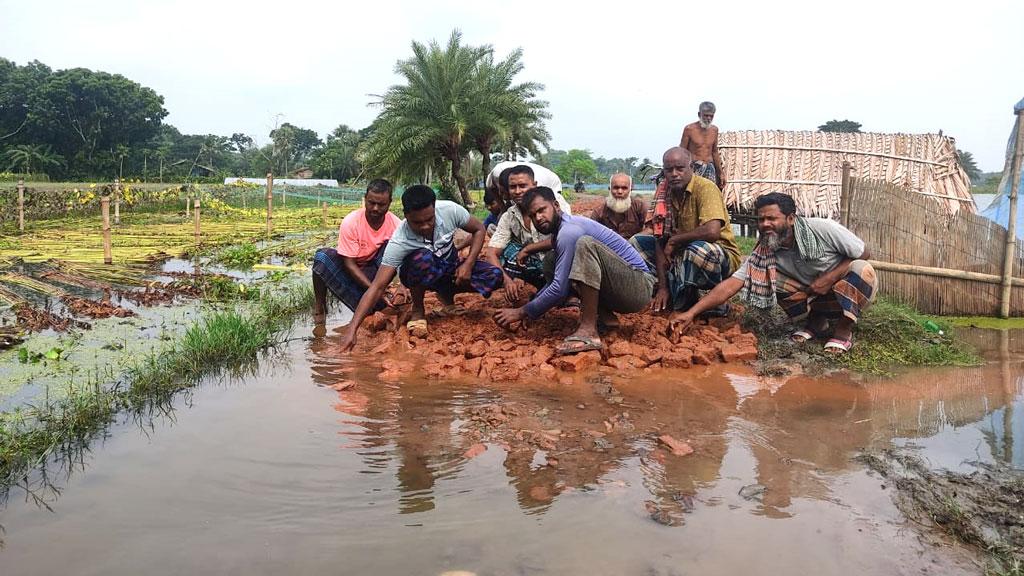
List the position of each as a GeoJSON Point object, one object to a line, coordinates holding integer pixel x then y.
{"type": "Point", "coordinates": [117, 201]}
{"type": "Point", "coordinates": [108, 257]}
{"type": "Point", "coordinates": [1011, 225]}
{"type": "Point", "coordinates": [844, 196]}
{"type": "Point", "coordinates": [270, 202]}
{"type": "Point", "coordinates": [21, 205]}
{"type": "Point", "coordinates": [197, 222]}
{"type": "Point", "coordinates": [324, 210]}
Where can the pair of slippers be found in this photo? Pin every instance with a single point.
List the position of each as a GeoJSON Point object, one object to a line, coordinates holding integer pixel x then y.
{"type": "Point", "coordinates": [837, 346]}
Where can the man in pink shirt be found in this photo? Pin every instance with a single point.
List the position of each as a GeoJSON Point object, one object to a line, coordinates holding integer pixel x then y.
{"type": "Point", "coordinates": [348, 271]}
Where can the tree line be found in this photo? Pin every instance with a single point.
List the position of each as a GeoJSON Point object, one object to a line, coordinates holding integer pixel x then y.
{"type": "Point", "coordinates": [80, 124]}
{"type": "Point", "coordinates": [458, 109]}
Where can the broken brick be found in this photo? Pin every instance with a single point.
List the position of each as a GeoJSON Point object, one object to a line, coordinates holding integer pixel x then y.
{"type": "Point", "coordinates": [677, 447]}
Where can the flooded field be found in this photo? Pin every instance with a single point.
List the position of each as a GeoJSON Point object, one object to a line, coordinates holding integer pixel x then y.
{"type": "Point", "coordinates": [313, 466]}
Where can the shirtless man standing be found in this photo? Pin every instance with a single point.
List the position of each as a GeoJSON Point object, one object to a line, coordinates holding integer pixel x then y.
{"type": "Point", "coordinates": [701, 139]}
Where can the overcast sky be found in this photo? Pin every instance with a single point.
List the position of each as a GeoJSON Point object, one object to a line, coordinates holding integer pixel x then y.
{"type": "Point", "coordinates": [622, 78]}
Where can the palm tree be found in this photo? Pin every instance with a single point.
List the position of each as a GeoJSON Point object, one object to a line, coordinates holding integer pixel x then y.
{"type": "Point", "coordinates": [161, 153]}
{"type": "Point", "coordinates": [526, 136]}
{"type": "Point", "coordinates": [27, 156]}
{"type": "Point", "coordinates": [502, 106]}
{"type": "Point", "coordinates": [969, 165]}
{"type": "Point", "coordinates": [430, 115]}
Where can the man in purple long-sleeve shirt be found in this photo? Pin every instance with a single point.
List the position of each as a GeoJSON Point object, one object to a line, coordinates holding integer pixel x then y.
{"type": "Point", "coordinates": [596, 263]}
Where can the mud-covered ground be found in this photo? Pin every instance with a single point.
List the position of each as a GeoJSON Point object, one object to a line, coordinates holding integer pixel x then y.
{"type": "Point", "coordinates": [466, 342]}
{"type": "Point", "coordinates": [983, 508]}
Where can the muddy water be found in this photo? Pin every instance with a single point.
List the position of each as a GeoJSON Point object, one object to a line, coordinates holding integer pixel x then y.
{"type": "Point", "coordinates": [280, 473]}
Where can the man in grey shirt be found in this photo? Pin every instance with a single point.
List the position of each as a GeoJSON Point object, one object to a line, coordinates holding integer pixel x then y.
{"type": "Point", "coordinates": [815, 269]}
{"type": "Point", "coordinates": [423, 255]}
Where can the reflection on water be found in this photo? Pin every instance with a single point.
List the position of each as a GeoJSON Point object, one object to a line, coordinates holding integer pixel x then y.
{"type": "Point", "coordinates": [282, 472]}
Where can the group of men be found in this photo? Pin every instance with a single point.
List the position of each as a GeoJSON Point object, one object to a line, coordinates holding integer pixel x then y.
{"type": "Point", "coordinates": [626, 257]}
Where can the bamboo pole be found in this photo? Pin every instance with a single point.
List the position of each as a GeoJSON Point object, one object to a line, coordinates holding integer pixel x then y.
{"type": "Point", "coordinates": [117, 201]}
{"type": "Point", "coordinates": [844, 196]}
{"type": "Point", "coordinates": [943, 272]}
{"type": "Point", "coordinates": [21, 205]}
{"type": "Point", "coordinates": [108, 257]}
{"type": "Point", "coordinates": [198, 234]}
{"type": "Point", "coordinates": [324, 210]}
{"type": "Point", "coordinates": [1011, 225]}
{"type": "Point", "coordinates": [270, 203]}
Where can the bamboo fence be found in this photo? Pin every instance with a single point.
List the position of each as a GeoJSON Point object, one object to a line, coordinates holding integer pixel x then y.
{"type": "Point", "coordinates": [808, 167]}
{"type": "Point", "coordinates": [911, 229]}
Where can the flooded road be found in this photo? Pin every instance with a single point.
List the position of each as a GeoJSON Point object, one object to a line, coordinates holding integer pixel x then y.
{"type": "Point", "coordinates": [279, 472]}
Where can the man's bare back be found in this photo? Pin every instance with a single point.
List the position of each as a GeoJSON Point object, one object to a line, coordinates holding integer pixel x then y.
{"type": "Point", "coordinates": [700, 142]}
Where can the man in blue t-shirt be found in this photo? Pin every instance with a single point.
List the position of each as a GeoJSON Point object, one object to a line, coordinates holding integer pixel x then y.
{"type": "Point", "coordinates": [607, 274]}
{"type": "Point", "coordinates": [422, 252]}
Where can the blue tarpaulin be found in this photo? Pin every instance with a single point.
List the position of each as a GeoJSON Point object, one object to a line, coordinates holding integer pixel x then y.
{"type": "Point", "coordinates": [999, 210]}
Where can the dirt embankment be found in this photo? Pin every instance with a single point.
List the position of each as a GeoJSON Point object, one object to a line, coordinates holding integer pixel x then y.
{"type": "Point", "coordinates": [982, 508]}
{"type": "Point", "coordinates": [469, 344]}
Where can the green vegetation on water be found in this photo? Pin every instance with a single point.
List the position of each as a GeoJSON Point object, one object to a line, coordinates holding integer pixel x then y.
{"type": "Point", "coordinates": [985, 322]}
{"type": "Point", "coordinates": [30, 435]}
{"type": "Point", "coordinates": [240, 256]}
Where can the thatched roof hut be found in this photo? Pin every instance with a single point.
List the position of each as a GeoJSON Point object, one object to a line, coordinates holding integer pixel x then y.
{"type": "Point", "coordinates": [809, 166]}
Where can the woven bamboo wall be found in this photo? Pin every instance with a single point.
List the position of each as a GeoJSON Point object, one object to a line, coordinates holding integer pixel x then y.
{"type": "Point", "coordinates": [809, 166]}
{"type": "Point", "coordinates": [909, 228]}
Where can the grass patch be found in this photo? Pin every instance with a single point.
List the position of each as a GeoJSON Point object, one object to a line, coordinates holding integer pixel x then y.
{"type": "Point", "coordinates": [30, 435]}
{"type": "Point", "coordinates": [889, 335]}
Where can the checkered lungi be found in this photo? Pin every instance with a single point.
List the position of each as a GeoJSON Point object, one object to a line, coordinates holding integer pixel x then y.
{"type": "Point", "coordinates": [705, 169]}
{"type": "Point", "coordinates": [422, 268]}
{"type": "Point", "coordinates": [532, 271]}
{"type": "Point", "coordinates": [850, 296]}
{"type": "Point", "coordinates": [700, 266]}
{"type": "Point", "coordinates": [328, 265]}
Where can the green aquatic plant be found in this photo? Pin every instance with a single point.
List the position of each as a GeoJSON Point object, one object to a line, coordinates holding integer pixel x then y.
{"type": "Point", "coordinates": [31, 434]}
{"type": "Point", "coordinates": [242, 256]}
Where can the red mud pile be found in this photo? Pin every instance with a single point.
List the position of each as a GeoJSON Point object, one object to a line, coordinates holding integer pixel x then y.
{"type": "Point", "coordinates": [469, 344]}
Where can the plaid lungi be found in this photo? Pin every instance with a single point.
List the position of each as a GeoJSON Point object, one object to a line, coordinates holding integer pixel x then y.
{"type": "Point", "coordinates": [422, 268]}
{"type": "Point", "coordinates": [850, 296]}
{"type": "Point", "coordinates": [705, 169]}
{"type": "Point", "coordinates": [532, 271]}
{"type": "Point", "coordinates": [328, 265]}
{"type": "Point", "coordinates": [700, 266]}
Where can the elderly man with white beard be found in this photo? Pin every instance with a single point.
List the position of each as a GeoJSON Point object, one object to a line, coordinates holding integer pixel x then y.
{"type": "Point", "coordinates": [814, 268]}
{"type": "Point", "coordinates": [700, 138]}
{"type": "Point", "coordinates": [621, 211]}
